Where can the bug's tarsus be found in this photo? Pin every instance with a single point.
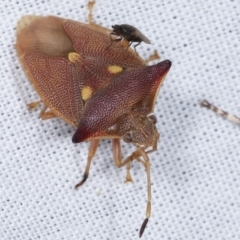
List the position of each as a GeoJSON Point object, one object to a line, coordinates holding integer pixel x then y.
{"type": "Point", "coordinates": [92, 150]}
{"type": "Point", "coordinates": [32, 105]}
{"type": "Point", "coordinates": [144, 224]}
{"type": "Point", "coordinates": [85, 177]}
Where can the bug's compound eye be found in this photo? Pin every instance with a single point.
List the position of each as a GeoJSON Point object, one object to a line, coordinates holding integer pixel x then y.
{"type": "Point", "coordinates": [127, 138]}
{"type": "Point", "coordinates": [153, 119]}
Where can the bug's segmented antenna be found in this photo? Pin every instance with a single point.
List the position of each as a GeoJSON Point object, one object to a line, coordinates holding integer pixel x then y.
{"type": "Point", "coordinates": [230, 117]}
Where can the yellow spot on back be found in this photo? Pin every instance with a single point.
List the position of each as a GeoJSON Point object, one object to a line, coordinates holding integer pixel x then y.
{"type": "Point", "coordinates": [86, 93]}
{"type": "Point", "coordinates": [114, 69]}
{"type": "Point", "coordinates": [73, 57]}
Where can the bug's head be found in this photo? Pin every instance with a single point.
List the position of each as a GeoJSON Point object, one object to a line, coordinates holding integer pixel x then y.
{"type": "Point", "coordinates": [117, 30]}
{"type": "Point", "coordinates": [143, 132]}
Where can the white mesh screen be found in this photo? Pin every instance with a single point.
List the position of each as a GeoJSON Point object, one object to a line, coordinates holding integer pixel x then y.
{"type": "Point", "coordinates": [196, 169]}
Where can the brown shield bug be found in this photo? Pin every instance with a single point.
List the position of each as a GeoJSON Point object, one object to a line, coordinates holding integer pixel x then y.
{"type": "Point", "coordinates": [104, 94]}
{"type": "Point", "coordinates": [129, 33]}
{"type": "Point", "coordinates": [226, 115]}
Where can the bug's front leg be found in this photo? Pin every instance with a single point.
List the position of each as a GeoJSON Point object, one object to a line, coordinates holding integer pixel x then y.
{"type": "Point", "coordinates": [149, 192]}
{"type": "Point", "coordinates": [136, 155]}
{"type": "Point", "coordinates": [91, 153]}
{"type": "Point", "coordinates": [45, 113]}
{"type": "Point", "coordinates": [117, 156]}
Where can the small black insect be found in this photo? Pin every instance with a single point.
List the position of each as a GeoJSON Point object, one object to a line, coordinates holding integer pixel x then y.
{"type": "Point", "coordinates": [130, 33]}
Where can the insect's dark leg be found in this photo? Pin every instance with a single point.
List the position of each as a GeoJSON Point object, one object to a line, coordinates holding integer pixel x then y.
{"type": "Point", "coordinates": [117, 156]}
{"type": "Point", "coordinates": [92, 150]}
{"type": "Point", "coordinates": [129, 45]}
{"type": "Point", "coordinates": [90, 8]}
{"type": "Point", "coordinates": [44, 114]}
{"type": "Point", "coordinates": [135, 47]}
{"type": "Point", "coordinates": [220, 112]}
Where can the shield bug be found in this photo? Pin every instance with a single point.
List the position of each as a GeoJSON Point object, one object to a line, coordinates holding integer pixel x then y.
{"type": "Point", "coordinates": [220, 112]}
{"type": "Point", "coordinates": [129, 33]}
{"type": "Point", "coordinates": [103, 94]}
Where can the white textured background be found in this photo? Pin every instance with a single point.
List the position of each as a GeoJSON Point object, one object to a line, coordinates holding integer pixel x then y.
{"type": "Point", "coordinates": [196, 170]}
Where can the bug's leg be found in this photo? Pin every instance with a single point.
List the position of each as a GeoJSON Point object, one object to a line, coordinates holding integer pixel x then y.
{"type": "Point", "coordinates": [90, 8]}
{"type": "Point", "coordinates": [136, 155]}
{"type": "Point", "coordinates": [128, 175]}
{"type": "Point", "coordinates": [33, 104]}
{"type": "Point", "coordinates": [44, 114]}
{"type": "Point", "coordinates": [220, 112]}
{"type": "Point", "coordinates": [149, 194]}
{"type": "Point", "coordinates": [117, 156]}
{"type": "Point", "coordinates": [152, 57]}
{"type": "Point", "coordinates": [92, 150]}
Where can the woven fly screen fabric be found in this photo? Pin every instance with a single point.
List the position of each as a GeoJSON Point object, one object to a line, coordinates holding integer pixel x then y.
{"type": "Point", "coordinates": [195, 172]}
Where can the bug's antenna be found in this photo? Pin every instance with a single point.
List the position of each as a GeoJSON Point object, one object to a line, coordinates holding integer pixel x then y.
{"type": "Point", "coordinates": [230, 117]}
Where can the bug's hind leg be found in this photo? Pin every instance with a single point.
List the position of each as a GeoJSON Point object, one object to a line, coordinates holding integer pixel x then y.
{"type": "Point", "coordinates": [137, 155]}
{"type": "Point", "coordinates": [45, 112]}
{"type": "Point", "coordinates": [92, 150]}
